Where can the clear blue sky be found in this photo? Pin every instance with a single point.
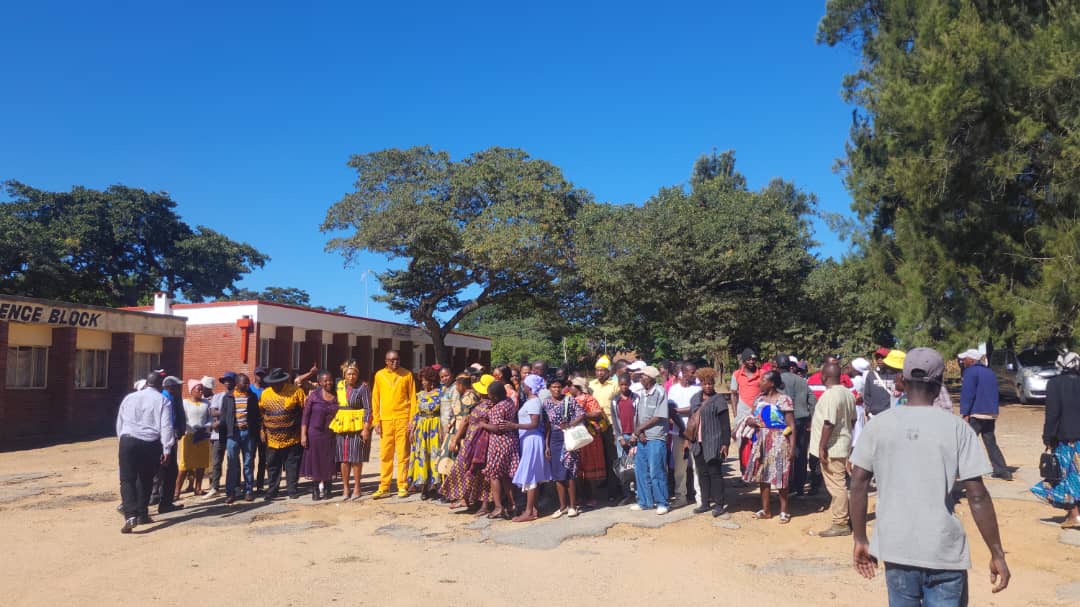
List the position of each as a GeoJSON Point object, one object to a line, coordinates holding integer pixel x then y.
{"type": "Point", "coordinates": [246, 115]}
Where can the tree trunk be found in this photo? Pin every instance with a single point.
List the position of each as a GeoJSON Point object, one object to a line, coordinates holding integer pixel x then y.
{"type": "Point", "coordinates": [438, 339]}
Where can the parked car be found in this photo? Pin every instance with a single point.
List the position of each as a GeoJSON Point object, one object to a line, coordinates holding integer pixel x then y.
{"type": "Point", "coordinates": [1024, 374]}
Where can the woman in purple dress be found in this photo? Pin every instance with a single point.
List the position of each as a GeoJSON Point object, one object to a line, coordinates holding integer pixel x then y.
{"type": "Point", "coordinates": [533, 468]}
{"type": "Point", "coordinates": [316, 437]}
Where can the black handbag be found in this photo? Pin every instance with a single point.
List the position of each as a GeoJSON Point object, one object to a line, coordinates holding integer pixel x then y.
{"type": "Point", "coordinates": [1049, 468]}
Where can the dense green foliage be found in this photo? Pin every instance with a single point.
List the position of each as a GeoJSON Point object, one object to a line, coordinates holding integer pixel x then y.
{"type": "Point", "coordinates": [114, 247]}
{"type": "Point", "coordinates": [962, 163]}
{"type": "Point", "coordinates": [492, 228]}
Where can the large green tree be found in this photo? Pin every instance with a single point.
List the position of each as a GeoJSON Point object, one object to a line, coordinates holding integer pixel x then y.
{"type": "Point", "coordinates": [112, 247]}
{"type": "Point", "coordinates": [494, 227]}
{"type": "Point", "coordinates": [698, 271]}
{"type": "Point", "coordinates": [962, 162]}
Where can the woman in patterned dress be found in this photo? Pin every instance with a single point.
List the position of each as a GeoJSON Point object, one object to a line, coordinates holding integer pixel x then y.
{"type": "Point", "coordinates": [426, 435]}
{"type": "Point", "coordinates": [562, 412]}
{"type": "Point", "coordinates": [592, 469]}
{"type": "Point", "coordinates": [352, 428]}
{"type": "Point", "coordinates": [463, 486]}
{"type": "Point", "coordinates": [774, 445]}
{"type": "Point", "coordinates": [502, 455]}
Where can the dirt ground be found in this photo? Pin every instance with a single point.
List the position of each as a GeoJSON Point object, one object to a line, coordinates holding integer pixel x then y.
{"type": "Point", "coordinates": [62, 545]}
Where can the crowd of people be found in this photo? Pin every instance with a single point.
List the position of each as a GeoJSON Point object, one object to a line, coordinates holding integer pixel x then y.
{"type": "Point", "coordinates": [638, 435]}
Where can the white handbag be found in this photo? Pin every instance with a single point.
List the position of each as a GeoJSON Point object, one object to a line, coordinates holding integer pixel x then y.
{"type": "Point", "coordinates": [577, 437]}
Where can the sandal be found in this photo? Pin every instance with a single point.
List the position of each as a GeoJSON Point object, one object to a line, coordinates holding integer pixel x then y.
{"type": "Point", "coordinates": [785, 518]}
{"type": "Point", "coordinates": [1071, 523]}
{"type": "Point", "coordinates": [761, 515]}
{"type": "Point", "coordinates": [494, 514]}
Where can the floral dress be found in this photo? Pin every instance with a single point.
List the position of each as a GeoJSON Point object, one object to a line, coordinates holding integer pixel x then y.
{"type": "Point", "coordinates": [564, 464]}
{"type": "Point", "coordinates": [770, 461]}
{"type": "Point", "coordinates": [462, 483]}
{"type": "Point", "coordinates": [503, 452]}
{"type": "Point", "coordinates": [425, 440]}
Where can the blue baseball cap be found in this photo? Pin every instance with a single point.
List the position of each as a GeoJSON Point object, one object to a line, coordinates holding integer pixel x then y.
{"type": "Point", "coordinates": [227, 375]}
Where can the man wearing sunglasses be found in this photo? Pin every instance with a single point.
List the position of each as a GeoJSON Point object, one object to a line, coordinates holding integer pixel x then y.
{"type": "Point", "coordinates": [393, 405]}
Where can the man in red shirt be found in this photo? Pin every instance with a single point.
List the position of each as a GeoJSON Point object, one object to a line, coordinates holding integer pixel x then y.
{"type": "Point", "coordinates": [745, 388]}
{"type": "Point", "coordinates": [817, 385]}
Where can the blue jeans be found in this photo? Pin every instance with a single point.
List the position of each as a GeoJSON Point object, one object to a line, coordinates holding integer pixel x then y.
{"type": "Point", "coordinates": [650, 473]}
{"type": "Point", "coordinates": [233, 448]}
{"type": "Point", "coordinates": [917, 587]}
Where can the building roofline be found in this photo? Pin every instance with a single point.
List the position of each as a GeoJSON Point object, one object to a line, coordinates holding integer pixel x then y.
{"type": "Point", "coordinates": [256, 302]}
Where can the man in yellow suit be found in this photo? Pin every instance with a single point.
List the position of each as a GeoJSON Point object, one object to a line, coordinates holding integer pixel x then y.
{"type": "Point", "coordinates": [393, 405]}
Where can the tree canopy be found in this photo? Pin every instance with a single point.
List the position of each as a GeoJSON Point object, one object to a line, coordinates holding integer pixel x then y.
{"type": "Point", "coordinates": [112, 247]}
{"type": "Point", "coordinates": [962, 161]}
{"type": "Point", "coordinates": [494, 227]}
{"type": "Point", "coordinates": [292, 296]}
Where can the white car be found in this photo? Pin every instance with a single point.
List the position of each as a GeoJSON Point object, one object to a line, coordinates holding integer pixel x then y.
{"type": "Point", "coordinates": [1024, 374]}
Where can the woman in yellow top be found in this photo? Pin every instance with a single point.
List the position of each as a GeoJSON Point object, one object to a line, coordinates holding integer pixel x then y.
{"type": "Point", "coordinates": [352, 426]}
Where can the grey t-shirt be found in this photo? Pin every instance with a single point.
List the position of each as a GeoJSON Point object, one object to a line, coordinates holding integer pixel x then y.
{"type": "Point", "coordinates": [649, 405]}
{"type": "Point", "coordinates": [916, 453]}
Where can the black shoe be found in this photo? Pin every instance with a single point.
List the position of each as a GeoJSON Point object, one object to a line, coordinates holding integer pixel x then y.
{"type": "Point", "coordinates": [1005, 476]}
{"type": "Point", "coordinates": [167, 508]}
{"type": "Point", "coordinates": [129, 524]}
{"type": "Point", "coordinates": [294, 496]}
{"type": "Point", "coordinates": [270, 496]}
{"type": "Point", "coordinates": [720, 512]}
{"type": "Point", "coordinates": [702, 509]}
{"type": "Point", "coordinates": [144, 519]}
{"type": "Point", "coordinates": [249, 497]}
{"type": "Point", "coordinates": [315, 494]}
{"type": "Point", "coordinates": [120, 508]}
{"type": "Point", "coordinates": [154, 501]}
{"type": "Point", "coordinates": [327, 491]}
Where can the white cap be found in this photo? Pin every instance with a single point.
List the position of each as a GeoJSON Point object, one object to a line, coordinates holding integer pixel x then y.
{"type": "Point", "coordinates": [636, 366]}
{"type": "Point", "coordinates": [973, 354]}
{"type": "Point", "coordinates": [207, 382]}
{"type": "Point", "coordinates": [861, 365]}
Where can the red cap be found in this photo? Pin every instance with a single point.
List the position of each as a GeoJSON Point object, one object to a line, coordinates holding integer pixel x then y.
{"type": "Point", "coordinates": [882, 352]}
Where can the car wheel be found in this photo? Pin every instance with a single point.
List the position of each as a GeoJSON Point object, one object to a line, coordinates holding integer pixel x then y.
{"type": "Point", "coordinates": [1020, 395]}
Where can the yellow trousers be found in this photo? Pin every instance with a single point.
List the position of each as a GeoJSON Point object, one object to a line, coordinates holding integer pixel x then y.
{"type": "Point", "coordinates": [394, 439]}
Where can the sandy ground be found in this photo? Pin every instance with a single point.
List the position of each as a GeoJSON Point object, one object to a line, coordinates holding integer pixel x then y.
{"type": "Point", "coordinates": [62, 545]}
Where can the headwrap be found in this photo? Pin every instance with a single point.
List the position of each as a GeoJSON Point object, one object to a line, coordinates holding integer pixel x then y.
{"type": "Point", "coordinates": [1070, 361]}
{"type": "Point", "coordinates": [535, 383]}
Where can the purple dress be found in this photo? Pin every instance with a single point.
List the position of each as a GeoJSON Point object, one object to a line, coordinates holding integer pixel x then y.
{"type": "Point", "coordinates": [564, 464]}
{"type": "Point", "coordinates": [319, 457]}
{"type": "Point", "coordinates": [534, 468]}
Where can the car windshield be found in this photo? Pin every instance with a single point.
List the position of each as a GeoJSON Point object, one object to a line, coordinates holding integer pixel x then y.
{"type": "Point", "coordinates": [1037, 358]}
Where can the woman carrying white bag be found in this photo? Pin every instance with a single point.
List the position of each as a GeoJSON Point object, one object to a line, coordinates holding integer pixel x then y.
{"type": "Point", "coordinates": [565, 417]}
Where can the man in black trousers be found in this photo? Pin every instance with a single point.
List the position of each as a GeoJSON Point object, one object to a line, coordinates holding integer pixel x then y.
{"type": "Point", "coordinates": [144, 425]}
{"type": "Point", "coordinates": [165, 480]}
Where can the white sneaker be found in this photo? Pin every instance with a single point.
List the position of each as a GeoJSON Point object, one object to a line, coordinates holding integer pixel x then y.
{"type": "Point", "coordinates": [661, 510]}
{"type": "Point", "coordinates": [572, 512]}
{"type": "Point", "coordinates": [636, 507]}
{"type": "Point", "coordinates": [558, 514]}
{"type": "Point", "coordinates": [211, 494]}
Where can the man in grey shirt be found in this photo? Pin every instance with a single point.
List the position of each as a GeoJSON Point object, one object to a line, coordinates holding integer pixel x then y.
{"type": "Point", "coordinates": [916, 452]}
{"type": "Point", "coordinates": [650, 435]}
{"type": "Point", "coordinates": [804, 400]}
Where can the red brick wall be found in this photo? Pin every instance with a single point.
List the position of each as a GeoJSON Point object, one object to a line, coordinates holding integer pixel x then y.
{"type": "Point", "coordinates": [213, 349]}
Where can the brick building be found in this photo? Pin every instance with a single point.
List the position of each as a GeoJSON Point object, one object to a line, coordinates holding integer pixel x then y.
{"type": "Point", "coordinates": [67, 366]}
{"type": "Point", "coordinates": [242, 335]}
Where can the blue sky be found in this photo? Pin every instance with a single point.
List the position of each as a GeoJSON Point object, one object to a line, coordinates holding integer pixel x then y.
{"type": "Point", "coordinates": [247, 113]}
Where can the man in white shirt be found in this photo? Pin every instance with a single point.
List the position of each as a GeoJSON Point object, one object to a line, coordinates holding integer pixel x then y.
{"type": "Point", "coordinates": [145, 427]}
{"type": "Point", "coordinates": [680, 396]}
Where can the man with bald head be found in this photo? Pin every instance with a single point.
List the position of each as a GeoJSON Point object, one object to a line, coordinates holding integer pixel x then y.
{"type": "Point", "coordinates": [830, 438]}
